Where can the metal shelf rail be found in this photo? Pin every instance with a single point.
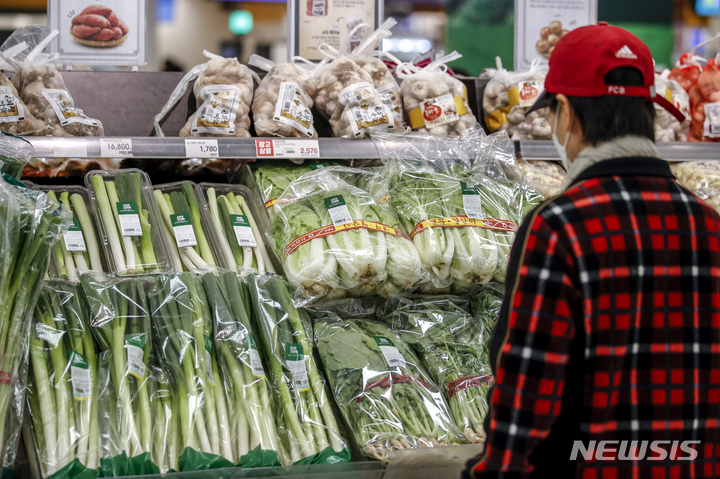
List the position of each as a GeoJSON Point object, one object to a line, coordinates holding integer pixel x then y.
{"type": "Point", "coordinates": [329, 148]}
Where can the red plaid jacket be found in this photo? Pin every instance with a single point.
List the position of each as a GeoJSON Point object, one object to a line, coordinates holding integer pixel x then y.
{"type": "Point", "coordinates": [610, 331]}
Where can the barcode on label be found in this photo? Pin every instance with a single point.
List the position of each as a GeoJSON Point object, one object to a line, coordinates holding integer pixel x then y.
{"type": "Point", "coordinates": [391, 353]}
{"type": "Point", "coordinates": [74, 240]}
{"type": "Point", "coordinates": [714, 128]}
{"type": "Point", "coordinates": [338, 210]}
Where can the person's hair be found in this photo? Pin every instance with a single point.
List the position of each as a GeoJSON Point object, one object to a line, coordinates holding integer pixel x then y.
{"type": "Point", "coordinates": [604, 118]}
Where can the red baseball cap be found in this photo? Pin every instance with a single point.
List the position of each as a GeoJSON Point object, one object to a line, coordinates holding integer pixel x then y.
{"type": "Point", "coordinates": [583, 57]}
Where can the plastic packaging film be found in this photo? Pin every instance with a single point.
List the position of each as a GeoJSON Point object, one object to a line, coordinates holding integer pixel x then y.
{"type": "Point", "coordinates": [31, 226]}
{"type": "Point", "coordinates": [307, 425]}
{"type": "Point", "coordinates": [385, 396]}
{"type": "Point", "coordinates": [452, 347]}
{"type": "Point", "coordinates": [62, 382]}
{"type": "Point", "coordinates": [128, 221]}
{"type": "Point", "coordinates": [702, 178]}
{"type": "Point", "coordinates": [15, 153]}
{"type": "Point", "coordinates": [334, 239]}
{"type": "Point", "coordinates": [238, 221]}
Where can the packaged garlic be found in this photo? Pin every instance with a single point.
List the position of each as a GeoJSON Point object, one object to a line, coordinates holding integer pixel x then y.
{"type": "Point", "coordinates": [702, 178]}
{"type": "Point", "coordinates": [435, 102]}
{"type": "Point", "coordinates": [280, 106]}
{"type": "Point", "coordinates": [41, 87]}
{"type": "Point", "coordinates": [344, 88]}
{"type": "Point", "coordinates": [507, 98]}
{"type": "Point", "coordinates": [545, 177]}
{"type": "Point", "coordinates": [667, 127]}
{"type": "Point", "coordinates": [224, 91]}
{"type": "Point", "coordinates": [15, 118]}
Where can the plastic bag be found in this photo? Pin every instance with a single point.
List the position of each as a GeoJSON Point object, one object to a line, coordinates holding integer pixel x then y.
{"type": "Point", "coordinates": [667, 127]}
{"type": "Point", "coordinates": [238, 222]}
{"type": "Point", "coordinates": [14, 154]}
{"type": "Point", "coordinates": [120, 321]}
{"type": "Point", "coordinates": [702, 178]}
{"type": "Point", "coordinates": [31, 225]}
{"type": "Point", "coordinates": [251, 408]}
{"type": "Point", "coordinates": [307, 424]}
{"type": "Point", "coordinates": [280, 106]}
{"type": "Point", "coordinates": [446, 338]}
{"type": "Point", "coordinates": [507, 98]}
{"type": "Point", "coordinates": [183, 332]}
{"type": "Point", "coordinates": [224, 92]}
{"type": "Point", "coordinates": [544, 176]}
{"type": "Point", "coordinates": [345, 93]}
{"type": "Point", "coordinates": [334, 239]}
{"type": "Point", "coordinates": [463, 227]}
{"type": "Point", "coordinates": [386, 397]}
{"type": "Point", "coordinates": [62, 384]}
{"type": "Point", "coordinates": [42, 88]}
{"type": "Point", "coordinates": [15, 118]}
{"type": "Point", "coordinates": [435, 102]}
{"type": "Point", "coordinates": [128, 221]}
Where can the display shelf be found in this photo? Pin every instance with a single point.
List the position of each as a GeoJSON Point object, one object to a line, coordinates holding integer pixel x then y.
{"type": "Point", "coordinates": [329, 148]}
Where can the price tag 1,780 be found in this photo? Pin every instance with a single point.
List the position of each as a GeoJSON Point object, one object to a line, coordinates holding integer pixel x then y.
{"type": "Point", "coordinates": [201, 149]}
{"type": "Point", "coordinates": [116, 147]}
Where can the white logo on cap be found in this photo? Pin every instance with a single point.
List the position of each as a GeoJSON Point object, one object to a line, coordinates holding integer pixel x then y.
{"type": "Point", "coordinates": [625, 52]}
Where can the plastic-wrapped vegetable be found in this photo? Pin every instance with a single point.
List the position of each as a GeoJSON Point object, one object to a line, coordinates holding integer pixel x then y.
{"type": "Point", "coordinates": [15, 153]}
{"type": "Point", "coordinates": [334, 239]}
{"type": "Point", "coordinates": [446, 338]}
{"type": "Point", "coordinates": [62, 384]}
{"type": "Point", "coordinates": [508, 96]}
{"type": "Point", "coordinates": [224, 92]}
{"type": "Point", "coordinates": [79, 249]}
{"type": "Point", "coordinates": [182, 331]}
{"type": "Point", "coordinates": [307, 423]}
{"type": "Point", "coordinates": [120, 322]}
{"type": "Point", "coordinates": [239, 222]}
{"type": "Point", "coordinates": [387, 399]}
{"type": "Point", "coordinates": [667, 127]}
{"type": "Point", "coordinates": [31, 224]}
{"type": "Point", "coordinates": [485, 307]}
{"type": "Point", "coordinates": [702, 178]}
{"type": "Point", "coordinates": [544, 176]}
{"type": "Point", "coordinates": [272, 179]}
{"type": "Point", "coordinates": [463, 228]}
{"type": "Point", "coordinates": [280, 106]}
{"type": "Point", "coordinates": [250, 404]}
{"type": "Point", "coordinates": [346, 92]}
{"type": "Point", "coordinates": [42, 88]}
{"type": "Point", "coordinates": [435, 102]}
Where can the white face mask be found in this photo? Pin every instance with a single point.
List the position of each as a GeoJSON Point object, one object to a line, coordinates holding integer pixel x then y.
{"type": "Point", "coordinates": [561, 148]}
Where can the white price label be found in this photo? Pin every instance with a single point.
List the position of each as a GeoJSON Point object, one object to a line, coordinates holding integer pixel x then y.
{"type": "Point", "coordinates": [712, 120]}
{"type": "Point", "coordinates": [287, 148]}
{"type": "Point", "coordinates": [135, 345]}
{"type": "Point", "coordinates": [129, 218]}
{"type": "Point", "coordinates": [391, 353]}
{"type": "Point", "coordinates": [80, 376]}
{"type": "Point", "coordinates": [255, 362]}
{"type": "Point", "coordinates": [70, 148]}
{"type": "Point", "coordinates": [201, 149]}
{"type": "Point", "coordinates": [74, 240]}
{"type": "Point", "coordinates": [116, 148]}
{"type": "Point", "coordinates": [243, 231]}
{"type": "Point", "coordinates": [183, 230]}
{"type": "Point", "coordinates": [472, 201]}
{"type": "Point", "coordinates": [338, 210]}
{"type": "Point", "coordinates": [296, 363]}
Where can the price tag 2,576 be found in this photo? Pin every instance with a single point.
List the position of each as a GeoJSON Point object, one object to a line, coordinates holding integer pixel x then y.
{"type": "Point", "coordinates": [201, 149]}
{"type": "Point", "coordinates": [116, 147]}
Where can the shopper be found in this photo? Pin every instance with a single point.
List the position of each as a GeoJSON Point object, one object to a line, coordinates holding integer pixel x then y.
{"type": "Point", "coordinates": [610, 328]}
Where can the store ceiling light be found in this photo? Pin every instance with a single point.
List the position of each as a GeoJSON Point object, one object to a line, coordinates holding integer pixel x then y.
{"type": "Point", "coordinates": [406, 45]}
{"type": "Point", "coordinates": [240, 22]}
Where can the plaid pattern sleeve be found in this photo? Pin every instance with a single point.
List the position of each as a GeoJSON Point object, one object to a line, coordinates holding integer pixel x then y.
{"type": "Point", "coordinates": [530, 371]}
{"type": "Point", "coordinates": [610, 334]}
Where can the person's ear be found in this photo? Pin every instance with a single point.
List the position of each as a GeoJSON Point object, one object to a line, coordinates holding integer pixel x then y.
{"type": "Point", "coordinates": [565, 122]}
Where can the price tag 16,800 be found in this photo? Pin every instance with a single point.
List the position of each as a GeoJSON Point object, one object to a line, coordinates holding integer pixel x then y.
{"type": "Point", "coordinates": [201, 149]}
{"type": "Point", "coordinates": [116, 147]}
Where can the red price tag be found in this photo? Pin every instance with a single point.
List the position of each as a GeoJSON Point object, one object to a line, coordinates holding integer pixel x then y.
{"type": "Point", "coordinates": [265, 148]}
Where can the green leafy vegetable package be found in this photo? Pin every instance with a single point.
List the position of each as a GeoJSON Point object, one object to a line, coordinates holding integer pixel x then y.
{"type": "Point", "coordinates": [308, 428]}
{"type": "Point", "coordinates": [30, 225]}
{"type": "Point", "coordinates": [386, 397]}
{"type": "Point", "coordinates": [133, 403]}
{"type": "Point", "coordinates": [62, 383]}
{"type": "Point", "coordinates": [450, 343]}
{"type": "Point", "coordinates": [335, 240]}
{"type": "Point", "coordinates": [250, 406]}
